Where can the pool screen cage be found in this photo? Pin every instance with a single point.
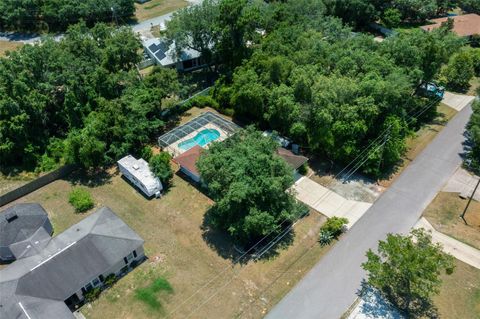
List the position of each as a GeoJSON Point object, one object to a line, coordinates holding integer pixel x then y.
{"type": "Point", "coordinates": [195, 124]}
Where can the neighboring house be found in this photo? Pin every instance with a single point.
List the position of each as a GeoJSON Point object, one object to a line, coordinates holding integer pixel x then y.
{"type": "Point", "coordinates": [166, 55]}
{"type": "Point", "coordinates": [463, 25]}
{"type": "Point", "coordinates": [54, 281]}
{"type": "Point", "coordinates": [188, 162]}
{"type": "Point", "coordinates": [138, 172]}
{"type": "Point", "coordinates": [295, 161]}
{"type": "Point", "coordinates": [24, 230]}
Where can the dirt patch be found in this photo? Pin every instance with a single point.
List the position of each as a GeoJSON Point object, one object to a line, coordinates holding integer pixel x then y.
{"type": "Point", "coordinates": [444, 215]}
{"type": "Point", "coordinates": [8, 46]}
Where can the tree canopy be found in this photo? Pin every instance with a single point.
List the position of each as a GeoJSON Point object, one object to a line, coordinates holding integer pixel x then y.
{"type": "Point", "coordinates": [57, 15]}
{"type": "Point", "coordinates": [407, 269]}
{"type": "Point", "coordinates": [473, 129]}
{"type": "Point", "coordinates": [79, 99]}
{"type": "Point", "coordinates": [248, 182]}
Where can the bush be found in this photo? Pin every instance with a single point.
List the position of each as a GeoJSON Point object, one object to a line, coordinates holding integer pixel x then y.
{"type": "Point", "coordinates": [392, 18]}
{"type": "Point", "coordinates": [202, 101]}
{"type": "Point", "coordinates": [110, 280]}
{"type": "Point", "coordinates": [456, 75]}
{"type": "Point", "coordinates": [92, 294]}
{"type": "Point", "coordinates": [303, 169]}
{"type": "Point", "coordinates": [80, 199]}
{"type": "Point", "coordinates": [160, 166]}
{"type": "Point", "coordinates": [146, 153]}
{"type": "Point", "coordinates": [334, 226]}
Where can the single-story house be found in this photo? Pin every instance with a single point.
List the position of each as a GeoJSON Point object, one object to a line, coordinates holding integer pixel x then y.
{"type": "Point", "coordinates": [52, 282]}
{"type": "Point", "coordinates": [295, 161]}
{"type": "Point", "coordinates": [138, 172]}
{"type": "Point", "coordinates": [465, 25]}
{"type": "Point", "coordinates": [188, 162]}
{"type": "Point", "coordinates": [167, 55]}
{"type": "Point", "coordinates": [24, 230]}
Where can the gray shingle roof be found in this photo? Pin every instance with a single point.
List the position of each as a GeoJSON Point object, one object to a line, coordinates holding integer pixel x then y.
{"type": "Point", "coordinates": [40, 283]}
{"type": "Point", "coordinates": [21, 226]}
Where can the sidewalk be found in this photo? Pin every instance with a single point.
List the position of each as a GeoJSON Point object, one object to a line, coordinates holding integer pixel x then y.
{"type": "Point", "coordinates": [456, 248]}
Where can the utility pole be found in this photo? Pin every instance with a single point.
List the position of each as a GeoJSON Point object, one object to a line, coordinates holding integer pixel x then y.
{"type": "Point", "coordinates": [468, 204]}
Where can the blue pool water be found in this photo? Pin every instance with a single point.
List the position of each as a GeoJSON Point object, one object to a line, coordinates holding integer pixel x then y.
{"type": "Point", "coordinates": [202, 138]}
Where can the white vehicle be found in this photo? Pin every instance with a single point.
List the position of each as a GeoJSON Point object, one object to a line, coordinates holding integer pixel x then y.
{"type": "Point", "coordinates": [138, 172]}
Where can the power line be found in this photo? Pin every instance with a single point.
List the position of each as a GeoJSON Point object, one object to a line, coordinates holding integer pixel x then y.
{"type": "Point", "coordinates": [363, 158]}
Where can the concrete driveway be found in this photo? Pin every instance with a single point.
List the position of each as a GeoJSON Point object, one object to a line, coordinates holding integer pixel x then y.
{"type": "Point", "coordinates": [457, 101]}
{"type": "Point", "coordinates": [328, 202]}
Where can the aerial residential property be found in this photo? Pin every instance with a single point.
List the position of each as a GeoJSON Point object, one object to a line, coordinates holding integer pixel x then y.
{"type": "Point", "coordinates": [239, 159]}
{"type": "Point", "coordinates": [55, 276]}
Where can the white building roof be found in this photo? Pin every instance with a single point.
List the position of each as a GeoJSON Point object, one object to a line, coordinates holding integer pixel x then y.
{"type": "Point", "coordinates": [141, 171]}
{"type": "Point", "coordinates": [166, 54]}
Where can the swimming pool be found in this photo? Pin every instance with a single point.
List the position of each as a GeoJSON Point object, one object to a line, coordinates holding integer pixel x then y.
{"type": "Point", "coordinates": [202, 138]}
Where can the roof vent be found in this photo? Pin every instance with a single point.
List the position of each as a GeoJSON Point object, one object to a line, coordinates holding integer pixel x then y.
{"type": "Point", "coordinates": [10, 217]}
{"type": "Point", "coordinates": [135, 166]}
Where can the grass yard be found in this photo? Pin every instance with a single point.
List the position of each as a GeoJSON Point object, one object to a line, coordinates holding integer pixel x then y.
{"type": "Point", "coordinates": [417, 143]}
{"type": "Point", "coordinates": [444, 211]}
{"type": "Point", "coordinates": [155, 8]}
{"type": "Point", "coordinates": [460, 293]}
{"type": "Point", "coordinates": [8, 46]}
{"type": "Point", "coordinates": [178, 250]}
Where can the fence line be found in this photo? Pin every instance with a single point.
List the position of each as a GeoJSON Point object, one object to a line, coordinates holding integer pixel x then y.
{"type": "Point", "coordinates": [36, 184]}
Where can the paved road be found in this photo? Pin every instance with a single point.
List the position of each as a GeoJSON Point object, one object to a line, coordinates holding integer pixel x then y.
{"type": "Point", "coordinates": [331, 286]}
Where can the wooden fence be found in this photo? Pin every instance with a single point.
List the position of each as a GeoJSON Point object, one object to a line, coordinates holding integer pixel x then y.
{"type": "Point", "coordinates": [36, 184]}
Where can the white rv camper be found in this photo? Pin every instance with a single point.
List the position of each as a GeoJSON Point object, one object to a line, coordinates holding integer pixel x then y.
{"type": "Point", "coordinates": [138, 172]}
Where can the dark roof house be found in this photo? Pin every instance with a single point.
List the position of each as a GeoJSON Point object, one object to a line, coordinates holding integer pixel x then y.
{"type": "Point", "coordinates": [36, 287]}
{"type": "Point", "coordinates": [188, 162]}
{"type": "Point", "coordinates": [295, 161]}
{"type": "Point", "coordinates": [463, 25]}
{"type": "Point", "coordinates": [24, 230]}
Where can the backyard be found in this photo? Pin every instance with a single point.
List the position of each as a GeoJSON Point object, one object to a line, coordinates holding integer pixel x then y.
{"type": "Point", "coordinates": [155, 8]}
{"type": "Point", "coordinates": [182, 251]}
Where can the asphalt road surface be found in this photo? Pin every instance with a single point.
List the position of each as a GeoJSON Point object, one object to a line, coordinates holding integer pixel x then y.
{"type": "Point", "coordinates": [332, 285]}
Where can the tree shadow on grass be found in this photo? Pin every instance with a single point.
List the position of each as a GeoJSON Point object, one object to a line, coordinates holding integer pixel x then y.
{"type": "Point", "coordinates": [262, 249]}
{"type": "Point", "coordinates": [90, 178]}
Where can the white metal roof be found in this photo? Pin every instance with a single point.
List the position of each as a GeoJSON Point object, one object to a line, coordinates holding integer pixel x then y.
{"type": "Point", "coordinates": [141, 171]}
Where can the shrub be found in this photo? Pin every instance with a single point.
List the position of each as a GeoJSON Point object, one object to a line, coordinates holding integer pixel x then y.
{"type": "Point", "coordinates": [202, 101]}
{"type": "Point", "coordinates": [303, 169]}
{"type": "Point", "coordinates": [110, 280]}
{"type": "Point", "coordinates": [160, 166]}
{"type": "Point", "coordinates": [325, 238]}
{"type": "Point", "coordinates": [80, 199]}
{"type": "Point", "coordinates": [392, 18]}
{"type": "Point", "coordinates": [334, 226]}
{"type": "Point", "coordinates": [146, 153]}
{"type": "Point", "coordinates": [92, 294]}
